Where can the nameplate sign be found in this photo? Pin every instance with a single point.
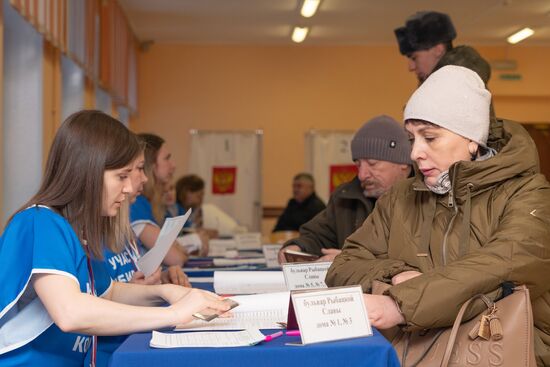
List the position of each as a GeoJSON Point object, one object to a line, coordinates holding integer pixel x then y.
{"type": "Point", "coordinates": [249, 241]}
{"type": "Point", "coordinates": [331, 314]}
{"type": "Point", "coordinates": [271, 253]}
{"type": "Point", "coordinates": [309, 275]}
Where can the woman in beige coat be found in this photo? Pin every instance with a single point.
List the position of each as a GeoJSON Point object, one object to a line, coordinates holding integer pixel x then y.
{"type": "Point", "coordinates": [476, 215]}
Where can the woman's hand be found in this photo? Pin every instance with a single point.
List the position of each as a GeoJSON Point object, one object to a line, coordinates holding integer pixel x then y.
{"type": "Point", "coordinates": [174, 275]}
{"type": "Point", "coordinates": [139, 278]}
{"type": "Point", "coordinates": [404, 276]}
{"type": "Point", "coordinates": [382, 311]}
{"type": "Point", "coordinates": [197, 300]}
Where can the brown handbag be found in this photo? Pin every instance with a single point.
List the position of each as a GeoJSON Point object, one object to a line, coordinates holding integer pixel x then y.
{"type": "Point", "coordinates": [509, 340]}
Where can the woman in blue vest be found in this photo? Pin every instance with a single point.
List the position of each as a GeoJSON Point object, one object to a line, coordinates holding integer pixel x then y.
{"type": "Point", "coordinates": [56, 294]}
{"type": "Point", "coordinates": [148, 212]}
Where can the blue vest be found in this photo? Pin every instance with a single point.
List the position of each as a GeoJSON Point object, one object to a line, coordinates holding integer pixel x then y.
{"type": "Point", "coordinates": [40, 241]}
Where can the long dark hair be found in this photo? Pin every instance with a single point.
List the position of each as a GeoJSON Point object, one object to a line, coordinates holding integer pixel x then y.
{"type": "Point", "coordinates": [86, 145]}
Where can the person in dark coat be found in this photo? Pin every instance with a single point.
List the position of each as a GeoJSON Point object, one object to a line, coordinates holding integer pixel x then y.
{"type": "Point", "coordinates": [381, 150]}
{"type": "Point", "coordinates": [304, 205]}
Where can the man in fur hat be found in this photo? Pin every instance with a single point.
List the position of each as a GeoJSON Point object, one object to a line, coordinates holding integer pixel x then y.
{"type": "Point", "coordinates": [425, 39]}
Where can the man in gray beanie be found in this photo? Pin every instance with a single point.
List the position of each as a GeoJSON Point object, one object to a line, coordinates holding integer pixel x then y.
{"type": "Point", "coordinates": [381, 151]}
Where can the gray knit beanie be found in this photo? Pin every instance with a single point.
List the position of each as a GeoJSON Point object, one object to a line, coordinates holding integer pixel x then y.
{"type": "Point", "coordinates": [382, 138]}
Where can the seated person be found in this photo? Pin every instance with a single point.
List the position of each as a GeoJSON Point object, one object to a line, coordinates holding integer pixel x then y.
{"type": "Point", "coordinates": [475, 216]}
{"type": "Point", "coordinates": [147, 212]}
{"type": "Point", "coordinates": [208, 217]}
{"type": "Point", "coordinates": [381, 151]}
{"type": "Point", "coordinates": [56, 295]}
{"type": "Point", "coordinates": [173, 208]}
{"type": "Point", "coordinates": [304, 205]}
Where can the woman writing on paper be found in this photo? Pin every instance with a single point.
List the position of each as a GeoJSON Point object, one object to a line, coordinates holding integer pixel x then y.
{"type": "Point", "coordinates": [476, 215]}
{"type": "Point", "coordinates": [56, 293]}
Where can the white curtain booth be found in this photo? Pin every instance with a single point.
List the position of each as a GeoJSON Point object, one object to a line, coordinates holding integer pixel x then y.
{"type": "Point", "coordinates": [230, 163]}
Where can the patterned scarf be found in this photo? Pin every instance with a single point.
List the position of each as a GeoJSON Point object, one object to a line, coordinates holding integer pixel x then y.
{"type": "Point", "coordinates": [443, 182]}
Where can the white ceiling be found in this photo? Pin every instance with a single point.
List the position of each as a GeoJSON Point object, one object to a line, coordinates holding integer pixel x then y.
{"type": "Point", "coordinates": [337, 22]}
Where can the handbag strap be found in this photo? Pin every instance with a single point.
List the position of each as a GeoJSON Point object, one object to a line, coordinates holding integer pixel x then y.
{"type": "Point", "coordinates": [456, 326]}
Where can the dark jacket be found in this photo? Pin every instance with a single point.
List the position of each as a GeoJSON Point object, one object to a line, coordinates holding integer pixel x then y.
{"type": "Point", "coordinates": [492, 227]}
{"type": "Point", "coordinates": [296, 214]}
{"type": "Point", "coordinates": [347, 209]}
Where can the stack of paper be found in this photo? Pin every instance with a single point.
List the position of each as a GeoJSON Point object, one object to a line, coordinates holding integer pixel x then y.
{"type": "Point", "coordinates": [249, 241]}
{"type": "Point", "coordinates": [246, 261]}
{"type": "Point", "coordinates": [207, 340]}
{"type": "Point", "coordinates": [259, 311]}
{"type": "Point", "coordinates": [219, 247]}
{"type": "Point", "coordinates": [248, 282]}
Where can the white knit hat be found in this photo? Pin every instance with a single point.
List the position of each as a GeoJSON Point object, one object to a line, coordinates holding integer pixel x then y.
{"type": "Point", "coordinates": [455, 98]}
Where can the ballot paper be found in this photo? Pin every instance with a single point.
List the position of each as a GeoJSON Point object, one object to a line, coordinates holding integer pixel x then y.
{"type": "Point", "coordinates": [207, 340]}
{"type": "Point", "coordinates": [258, 311]}
{"type": "Point", "coordinates": [150, 262]}
{"type": "Point", "coordinates": [248, 282]}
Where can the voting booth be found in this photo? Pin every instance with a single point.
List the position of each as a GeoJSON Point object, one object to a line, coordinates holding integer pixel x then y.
{"type": "Point", "coordinates": [230, 162]}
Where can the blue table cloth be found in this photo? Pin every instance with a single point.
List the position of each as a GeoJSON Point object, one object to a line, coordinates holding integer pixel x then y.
{"type": "Point", "coordinates": [374, 351]}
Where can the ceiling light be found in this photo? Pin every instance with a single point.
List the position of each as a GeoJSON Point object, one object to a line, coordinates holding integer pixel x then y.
{"type": "Point", "coordinates": [309, 8]}
{"type": "Point", "coordinates": [299, 34]}
{"type": "Point", "coordinates": [520, 36]}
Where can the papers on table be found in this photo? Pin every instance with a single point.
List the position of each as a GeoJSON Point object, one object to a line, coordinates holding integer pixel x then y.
{"type": "Point", "coordinates": [219, 247]}
{"type": "Point", "coordinates": [150, 262]}
{"type": "Point", "coordinates": [258, 311]}
{"type": "Point", "coordinates": [205, 340]}
{"type": "Point", "coordinates": [201, 279]}
{"type": "Point", "coordinates": [271, 254]}
{"type": "Point", "coordinates": [249, 241]}
{"type": "Point", "coordinates": [190, 242]}
{"type": "Point", "coordinates": [248, 282]}
{"type": "Point", "coordinates": [232, 262]}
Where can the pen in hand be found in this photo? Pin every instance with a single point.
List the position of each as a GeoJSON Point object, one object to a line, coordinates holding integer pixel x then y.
{"type": "Point", "coordinates": [269, 338]}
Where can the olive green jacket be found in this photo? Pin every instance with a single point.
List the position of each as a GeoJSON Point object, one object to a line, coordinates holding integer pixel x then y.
{"type": "Point", "coordinates": [492, 227]}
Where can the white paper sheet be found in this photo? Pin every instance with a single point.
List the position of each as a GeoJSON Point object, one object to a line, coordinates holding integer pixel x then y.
{"type": "Point", "coordinates": [201, 280]}
{"type": "Point", "coordinates": [258, 311]}
{"type": "Point", "coordinates": [231, 262]}
{"type": "Point", "coordinates": [150, 262]}
{"type": "Point", "coordinates": [248, 282]}
{"type": "Point", "coordinates": [206, 340]}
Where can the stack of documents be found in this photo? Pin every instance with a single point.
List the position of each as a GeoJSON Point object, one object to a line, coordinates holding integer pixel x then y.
{"type": "Point", "coordinates": [241, 261]}
{"type": "Point", "coordinates": [207, 340]}
{"type": "Point", "coordinates": [249, 282]}
{"type": "Point", "coordinates": [258, 311]}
